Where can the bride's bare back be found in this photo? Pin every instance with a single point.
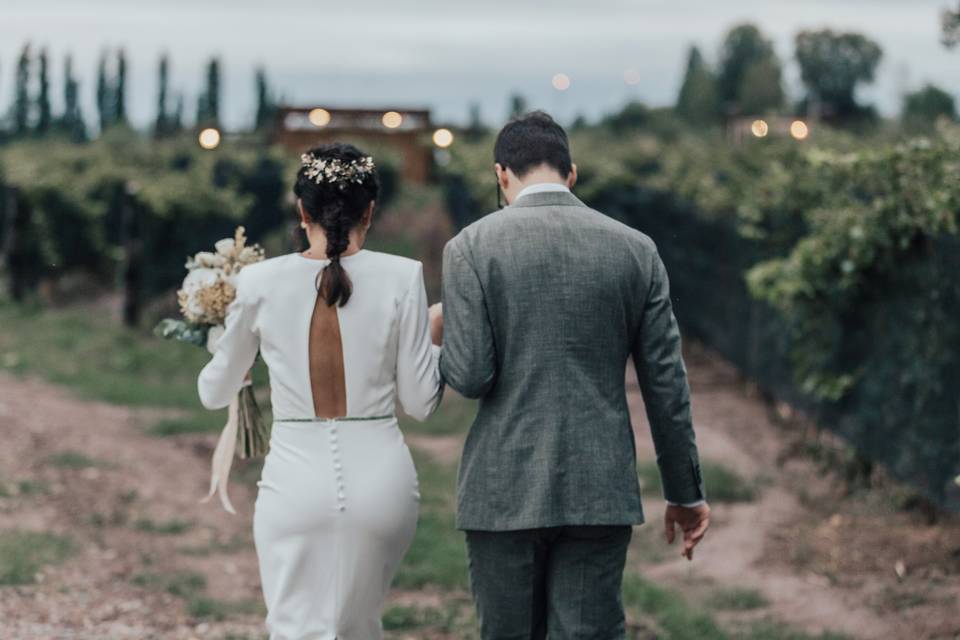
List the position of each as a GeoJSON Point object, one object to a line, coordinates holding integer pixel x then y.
{"type": "Point", "coordinates": [326, 362]}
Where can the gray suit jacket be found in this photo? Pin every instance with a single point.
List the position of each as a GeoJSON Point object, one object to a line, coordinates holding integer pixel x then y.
{"type": "Point", "coordinates": [544, 302]}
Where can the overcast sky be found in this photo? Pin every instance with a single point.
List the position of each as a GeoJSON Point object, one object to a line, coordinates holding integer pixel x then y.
{"type": "Point", "coordinates": [445, 54]}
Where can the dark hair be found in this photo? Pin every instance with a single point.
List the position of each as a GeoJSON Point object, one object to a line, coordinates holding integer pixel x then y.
{"type": "Point", "coordinates": [338, 207]}
{"type": "Point", "coordinates": [531, 140]}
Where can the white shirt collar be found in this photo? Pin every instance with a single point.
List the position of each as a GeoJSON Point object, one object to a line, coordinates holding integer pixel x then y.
{"type": "Point", "coordinates": [542, 187]}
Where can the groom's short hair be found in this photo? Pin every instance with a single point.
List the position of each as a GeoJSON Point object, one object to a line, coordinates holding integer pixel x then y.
{"type": "Point", "coordinates": [530, 140]}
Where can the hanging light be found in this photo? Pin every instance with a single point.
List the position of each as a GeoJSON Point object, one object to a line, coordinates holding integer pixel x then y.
{"type": "Point", "coordinates": [443, 138]}
{"type": "Point", "coordinates": [799, 130]}
{"type": "Point", "coordinates": [319, 117]}
{"type": "Point", "coordinates": [760, 128]}
{"type": "Point", "coordinates": [209, 138]}
{"type": "Point", "coordinates": [561, 82]}
{"type": "Point", "coordinates": [392, 119]}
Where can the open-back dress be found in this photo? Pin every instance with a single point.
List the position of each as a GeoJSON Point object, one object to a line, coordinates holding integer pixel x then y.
{"type": "Point", "coordinates": [338, 497]}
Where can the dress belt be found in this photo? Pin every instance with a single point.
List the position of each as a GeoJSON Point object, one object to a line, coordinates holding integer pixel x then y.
{"type": "Point", "coordinates": [340, 419]}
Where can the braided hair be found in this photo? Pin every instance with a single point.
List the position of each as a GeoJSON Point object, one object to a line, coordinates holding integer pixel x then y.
{"type": "Point", "coordinates": [337, 202]}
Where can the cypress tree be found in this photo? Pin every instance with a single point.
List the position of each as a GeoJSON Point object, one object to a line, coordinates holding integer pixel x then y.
{"type": "Point", "coordinates": [518, 105]}
{"type": "Point", "coordinates": [208, 103]}
{"type": "Point", "coordinates": [176, 120]}
{"type": "Point", "coordinates": [162, 125]}
{"type": "Point", "coordinates": [44, 118]}
{"type": "Point", "coordinates": [266, 108]}
{"type": "Point", "coordinates": [697, 102]}
{"type": "Point", "coordinates": [21, 96]}
{"type": "Point", "coordinates": [213, 90]}
{"type": "Point", "coordinates": [104, 101]}
{"type": "Point", "coordinates": [72, 121]}
{"type": "Point", "coordinates": [120, 89]}
{"type": "Point", "coordinates": [476, 128]}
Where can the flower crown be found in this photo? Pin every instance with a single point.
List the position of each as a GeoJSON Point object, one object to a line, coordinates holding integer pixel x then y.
{"type": "Point", "coordinates": [336, 171]}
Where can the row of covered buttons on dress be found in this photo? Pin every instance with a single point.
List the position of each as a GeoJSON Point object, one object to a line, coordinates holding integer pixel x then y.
{"type": "Point", "coordinates": [337, 465]}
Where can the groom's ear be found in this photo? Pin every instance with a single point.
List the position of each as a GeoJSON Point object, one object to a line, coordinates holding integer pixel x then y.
{"type": "Point", "coordinates": [572, 176]}
{"type": "Point", "coordinates": [502, 176]}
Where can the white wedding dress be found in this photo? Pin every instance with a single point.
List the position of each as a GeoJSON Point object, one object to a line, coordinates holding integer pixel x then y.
{"type": "Point", "coordinates": [338, 498]}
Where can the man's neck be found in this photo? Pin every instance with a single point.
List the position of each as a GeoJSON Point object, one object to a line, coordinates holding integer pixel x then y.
{"type": "Point", "coordinates": [542, 175]}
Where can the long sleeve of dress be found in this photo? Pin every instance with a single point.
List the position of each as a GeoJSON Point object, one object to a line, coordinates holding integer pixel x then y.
{"type": "Point", "coordinates": [418, 376]}
{"type": "Point", "coordinates": [221, 380]}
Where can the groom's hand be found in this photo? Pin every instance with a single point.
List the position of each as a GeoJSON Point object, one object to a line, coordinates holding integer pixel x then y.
{"type": "Point", "coordinates": [693, 522]}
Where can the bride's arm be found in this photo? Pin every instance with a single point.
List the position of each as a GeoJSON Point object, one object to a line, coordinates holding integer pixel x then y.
{"type": "Point", "coordinates": [235, 352]}
{"type": "Point", "coordinates": [436, 324]}
{"type": "Point", "coordinates": [418, 375]}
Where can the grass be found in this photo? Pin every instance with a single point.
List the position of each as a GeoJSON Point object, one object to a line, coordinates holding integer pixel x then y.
{"type": "Point", "coordinates": [455, 617]}
{"type": "Point", "coordinates": [722, 484]}
{"type": "Point", "coordinates": [200, 421]}
{"type": "Point", "coordinates": [167, 527]}
{"type": "Point", "coordinates": [438, 554]}
{"type": "Point", "coordinates": [649, 544]}
{"type": "Point", "coordinates": [736, 599]}
{"type": "Point", "coordinates": [675, 619]}
{"type": "Point", "coordinates": [773, 630]}
{"type": "Point", "coordinates": [23, 488]}
{"type": "Point", "coordinates": [105, 361]}
{"type": "Point", "coordinates": [452, 417]}
{"type": "Point", "coordinates": [191, 587]}
{"type": "Point", "coordinates": [24, 553]}
{"type": "Point", "coordinates": [234, 544]}
{"type": "Point", "coordinates": [101, 360]}
{"type": "Point", "coordinates": [670, 613]}
{"type": "Point", "coordinates": [214, 609]}
{"type": "Point", "coordinates": [73, 460]}
{"type": "Point", "coordinates": [181, 583]}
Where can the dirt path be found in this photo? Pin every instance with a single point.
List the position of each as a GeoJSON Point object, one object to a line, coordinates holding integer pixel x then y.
{"type": "Point", "coordinates": [128, 502]}
{"type": "Point", "coordinates": [822, 561]}
{"type": "Point", "coordinates": [86, 470]}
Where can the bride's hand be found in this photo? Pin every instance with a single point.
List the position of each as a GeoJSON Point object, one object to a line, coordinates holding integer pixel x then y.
{"type": "Point", "coordinates": [213, 336]}
{"type": "Point", "coordinates": [436, 323]}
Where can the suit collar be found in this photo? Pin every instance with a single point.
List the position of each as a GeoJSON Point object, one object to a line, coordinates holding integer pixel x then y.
{"type": "Point", "coordinates": [547, 199]}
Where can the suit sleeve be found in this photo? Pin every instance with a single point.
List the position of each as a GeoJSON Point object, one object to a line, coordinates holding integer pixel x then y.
{"type": "Point", "coordinates": [418, 377]}
{"type": "Point", "coordinates": [468, 360]}
{"type": "Point", "coordinates": [222, 378]}
{"type": "Point", "coordinates": [666, 393]}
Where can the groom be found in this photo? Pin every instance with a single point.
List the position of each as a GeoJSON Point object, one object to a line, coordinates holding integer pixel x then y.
{"type": "Point", "coordinates": [544, 301]}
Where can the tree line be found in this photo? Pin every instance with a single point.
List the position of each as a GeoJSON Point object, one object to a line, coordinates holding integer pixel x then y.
{"type": "Point", "coordinates": [31, 115]}
{"type": "Point", "coordinates": [747, 80]}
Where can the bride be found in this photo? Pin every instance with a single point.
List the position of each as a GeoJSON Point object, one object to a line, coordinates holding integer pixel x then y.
{"type": "Point", "coordinates": [344, 332]}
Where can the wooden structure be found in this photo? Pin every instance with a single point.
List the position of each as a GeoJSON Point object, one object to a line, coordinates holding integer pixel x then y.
{"type": "Point", "coordinates": [407, 131]}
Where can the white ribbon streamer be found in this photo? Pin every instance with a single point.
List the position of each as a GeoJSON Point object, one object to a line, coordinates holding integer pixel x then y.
{"type": "Point", "coordinates": [223, 458]}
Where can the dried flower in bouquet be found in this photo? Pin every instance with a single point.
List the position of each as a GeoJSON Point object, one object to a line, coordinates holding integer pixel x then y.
{"type": "Point", "coordinates": [204, 299]}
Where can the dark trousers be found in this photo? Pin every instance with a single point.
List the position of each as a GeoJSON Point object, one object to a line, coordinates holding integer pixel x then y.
{"type": "Point", "coordinates": [561, 582]}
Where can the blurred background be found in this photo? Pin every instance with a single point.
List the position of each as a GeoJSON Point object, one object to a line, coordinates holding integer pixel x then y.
{"type": "Point", "coordinates": [795, 162]}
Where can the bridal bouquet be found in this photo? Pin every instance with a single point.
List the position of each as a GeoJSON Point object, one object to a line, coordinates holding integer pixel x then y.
{"type": "Point", "coordinates": [207, 291]}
